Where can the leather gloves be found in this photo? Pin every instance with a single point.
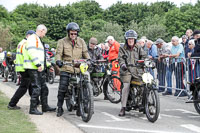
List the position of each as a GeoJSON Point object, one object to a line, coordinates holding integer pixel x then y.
{"type": "Point", "coordinates": [123, 67]}
{"type": "Point", "coordinates": [59, 63]}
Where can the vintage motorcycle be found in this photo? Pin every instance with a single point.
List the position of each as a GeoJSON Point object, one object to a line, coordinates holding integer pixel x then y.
{"type": "Point", "coordinates": [104, 79]}
{"type": "Point", "coordinates": [80, 91]}
{"type": "Point", "coordinates": [143, 95]}
{"type": "Point", "coordinates": [195, 98]}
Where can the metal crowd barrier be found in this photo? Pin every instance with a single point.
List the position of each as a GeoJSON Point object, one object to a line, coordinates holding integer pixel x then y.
{"type": "Point", "coordinates": [175, 73]}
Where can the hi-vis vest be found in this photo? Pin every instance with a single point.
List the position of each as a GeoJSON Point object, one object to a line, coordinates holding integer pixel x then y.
{"type": "Point", "coordinates": [19, 57]}
{"type": "Point", "coordinates": [33, 52]}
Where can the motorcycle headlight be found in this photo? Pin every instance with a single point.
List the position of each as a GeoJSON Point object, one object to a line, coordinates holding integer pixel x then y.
{"type": "Point", "coordinates": [83, 67]}
{"type": "Point", "coordinates": [147, 78]}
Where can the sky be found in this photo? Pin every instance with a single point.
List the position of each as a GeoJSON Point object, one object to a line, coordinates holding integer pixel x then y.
{"type": "Point", "coordinates": [12, 4]}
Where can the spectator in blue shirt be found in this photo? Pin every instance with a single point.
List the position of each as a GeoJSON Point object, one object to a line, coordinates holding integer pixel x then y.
{"type": "Point", "coordinates": [152, 52]}
{"type": "Point", "coordinates": [177, 53]}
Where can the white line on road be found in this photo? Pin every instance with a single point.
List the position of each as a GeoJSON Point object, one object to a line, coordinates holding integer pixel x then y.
{"type": "Point", "coordinates": [183, 111]}
{"type": "Point", "coordinates": [170, 116]}
{"type": "Point", "coordinates": [194, 116]}
{"type": "Point", "coordinates": [192, 127]}
{"type": "Point", "coordinates": [125, 129]}
{"type": "Point", "coordinates": [114, 117]}
{"type": "Point", "coordinates": [187, 112]}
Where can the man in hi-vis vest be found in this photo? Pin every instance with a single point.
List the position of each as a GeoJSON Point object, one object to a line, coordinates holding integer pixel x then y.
{"type": "Point", "coordinates": [35, 64]}
{"type": "Point", "coordinates": [25, 81]}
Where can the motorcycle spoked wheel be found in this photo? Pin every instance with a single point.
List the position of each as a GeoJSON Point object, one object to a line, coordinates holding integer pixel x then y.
{"type": "Point", "coordinates": [68, 104]}
{"type": "Point", "coordinates": [96, 92]}
{"type": "Point", "coordinates": [152, 105]}
{"type": "Point", "coordinates": [113, 95]}
{"type": "Point", "coordinates": [86, 102]}
{"type": "Point", "coordinates": [51, 77]}
{"type": "Point", "coordinates": [196, 97]}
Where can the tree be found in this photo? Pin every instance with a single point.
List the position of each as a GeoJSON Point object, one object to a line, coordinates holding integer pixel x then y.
{"type": "Point", "coordinates": [56, 19]}
{"type": "Point", "coordinates": [97, 24]}
{"type": "Point", "coordinates": [153, 32]}
{"type": "Point", "coordinates": [86, 30]}
{"type": "Point", "coordinates": [175, 22]}
{"type": "Point", "coordinates": [110, 29]}
{"type": "Point", "coordinates": [4, 15]}
{"type": "Point", "coordinates": [5, 38]}
{"type": "Point", "coordinates": [123, 14]}
{"type": "Point", "coordinates": [90, 9]}
{"type": "Point", "coordinates": [29, 12]}
{"type": "Point", "coordinates": [151, 27]}
{"type": "Point", "coordinates": [160, 8]}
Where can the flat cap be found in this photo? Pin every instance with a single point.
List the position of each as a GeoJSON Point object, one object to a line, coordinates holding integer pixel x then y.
{"type": "Point", "coordinates": [159, 40]}
{"type": "Point", "coordinates": [109, 38]}
{"type": "Point", "coordinates": [93, 40]}
{"type": "Point", "coordinates": [30, 32]}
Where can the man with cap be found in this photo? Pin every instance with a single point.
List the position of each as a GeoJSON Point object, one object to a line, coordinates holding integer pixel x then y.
{"type": "Point", "coordinates": [163, 49]}
{"type": "Point", "coordinates": [112, 57]}
{"type": "Point", "coordinates": [114, 48]}
{"type": "Point", "coordinates": [25, 81]}
{"type": "Point", "coordinates": [35, 64]}
{"type": "Point", "coordinates": [93, 50]}
{"type": "Point", "coordinates": [95, 54]}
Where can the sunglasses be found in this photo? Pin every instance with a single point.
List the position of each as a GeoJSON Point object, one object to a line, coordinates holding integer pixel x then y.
{"type": "Point", "coordinates": [73, 34]}
{"type": "Point", "coordinates": [189, 44]}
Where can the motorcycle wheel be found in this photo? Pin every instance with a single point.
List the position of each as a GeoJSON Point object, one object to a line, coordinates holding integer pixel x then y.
{"type": "Point", "coordinates": [152, 105]}
{"type": "Point", "coordinates": [86, 102]}
{"type": "Point", "coordinates": [68, 105]}
{"type": "Point", "coordinates": [113, 95]}
{"type": "Point", "coordinates": [196, 97]}
{"type": "Point", "coordinates": [51, 77]}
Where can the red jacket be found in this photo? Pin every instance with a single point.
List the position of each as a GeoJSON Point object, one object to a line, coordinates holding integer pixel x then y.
{"type": "Point", "coordinates": [113, 52]}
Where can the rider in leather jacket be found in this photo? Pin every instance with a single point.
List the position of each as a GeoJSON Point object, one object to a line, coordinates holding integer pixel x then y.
{"type": "Point", "coordinates": [69, 48]}
{"type": "Point", "coordinates": [134, 52]}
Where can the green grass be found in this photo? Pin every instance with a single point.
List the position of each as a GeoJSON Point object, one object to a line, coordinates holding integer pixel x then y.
{"type": "Point", "coordinates": [14, 121]}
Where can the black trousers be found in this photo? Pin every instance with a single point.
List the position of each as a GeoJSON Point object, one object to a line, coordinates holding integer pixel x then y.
{"type": "Point", "coordinates": [24, 86]}
{"type": "Point", "coordinates": [35, 85]}
{"type": "Point", "coordinates": [63, 87]}
{"type": "Point", "coordinates": [44, 89]}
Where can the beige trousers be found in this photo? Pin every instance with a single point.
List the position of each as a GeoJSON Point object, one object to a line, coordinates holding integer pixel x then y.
{"type": "Point", "coordinates": [125, 92]}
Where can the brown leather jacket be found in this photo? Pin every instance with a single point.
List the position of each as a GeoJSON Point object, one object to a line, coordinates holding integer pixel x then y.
{"type": "Point", "coordinates": [66, 52]}
{"type": "Point", "coordinates": [137, 53]}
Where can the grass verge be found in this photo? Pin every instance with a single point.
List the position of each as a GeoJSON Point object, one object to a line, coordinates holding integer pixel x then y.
{"type": "Point", "coordinates": [14, 121]}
